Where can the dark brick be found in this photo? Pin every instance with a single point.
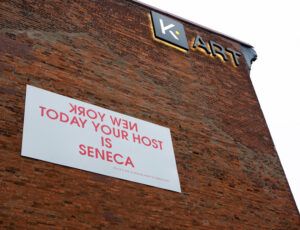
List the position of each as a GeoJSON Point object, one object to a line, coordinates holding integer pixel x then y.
{"type": "Point", "coordinates": [103, 52]}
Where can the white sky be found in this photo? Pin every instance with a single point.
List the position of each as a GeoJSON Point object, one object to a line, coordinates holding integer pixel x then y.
{"type": "Point", "coordinates": [273, 28]}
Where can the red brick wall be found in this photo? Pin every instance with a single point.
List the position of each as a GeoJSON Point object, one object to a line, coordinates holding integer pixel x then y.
{"type": "Point", "coordinates": [103, 52]}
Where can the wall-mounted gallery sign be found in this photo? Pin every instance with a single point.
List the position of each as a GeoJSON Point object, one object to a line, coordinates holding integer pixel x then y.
{"type": "Point", "coordinates": [169, 30]}
{"type": "Point", "coordinates": [69, 132]}
{"type": "Point", "coordinates": [172, 32]}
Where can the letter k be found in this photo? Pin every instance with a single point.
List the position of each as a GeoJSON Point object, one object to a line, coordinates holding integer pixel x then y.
{"type": "Point", "coordinates": [165, 28]}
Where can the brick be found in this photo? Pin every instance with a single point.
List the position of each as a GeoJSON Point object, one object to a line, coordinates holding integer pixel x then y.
{"type": "Point", "coordinates": [103, 52]}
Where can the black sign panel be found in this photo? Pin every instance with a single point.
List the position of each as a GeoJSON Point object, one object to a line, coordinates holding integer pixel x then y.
{"type": "Point", "coordinates": [169, 30]}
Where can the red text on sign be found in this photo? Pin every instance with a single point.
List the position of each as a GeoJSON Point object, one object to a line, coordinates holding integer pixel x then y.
{"type": "Point", "coordinates": [90, 113]}
{"type": "Point", "coordinates": [144, 140]}
{"type": "Point", "coordinates": [110, 131]}
{"type": "Point", "coordinates": [62, 117]}
{"type": "Point", "coordinates": [122, 123]}
{"type": "Point", "coordinates": [105, 155]}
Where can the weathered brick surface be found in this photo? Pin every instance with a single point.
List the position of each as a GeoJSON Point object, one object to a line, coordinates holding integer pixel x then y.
{"type": "Point", "coordinates": [102, 52]}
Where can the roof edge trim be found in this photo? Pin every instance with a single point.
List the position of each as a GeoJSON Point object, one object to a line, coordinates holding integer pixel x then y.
{"type": "Point", "coordinates": [250, 55]}
{"type": "Point", "coordinates": [192, 23]}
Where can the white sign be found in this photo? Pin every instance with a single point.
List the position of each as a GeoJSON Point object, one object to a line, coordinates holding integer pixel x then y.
{"type": "Point", "coordinates": [69, 132]}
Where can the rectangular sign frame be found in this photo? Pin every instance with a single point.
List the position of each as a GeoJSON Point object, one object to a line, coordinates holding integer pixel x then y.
{"type": "Point", "coordinates": [76, 134]}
